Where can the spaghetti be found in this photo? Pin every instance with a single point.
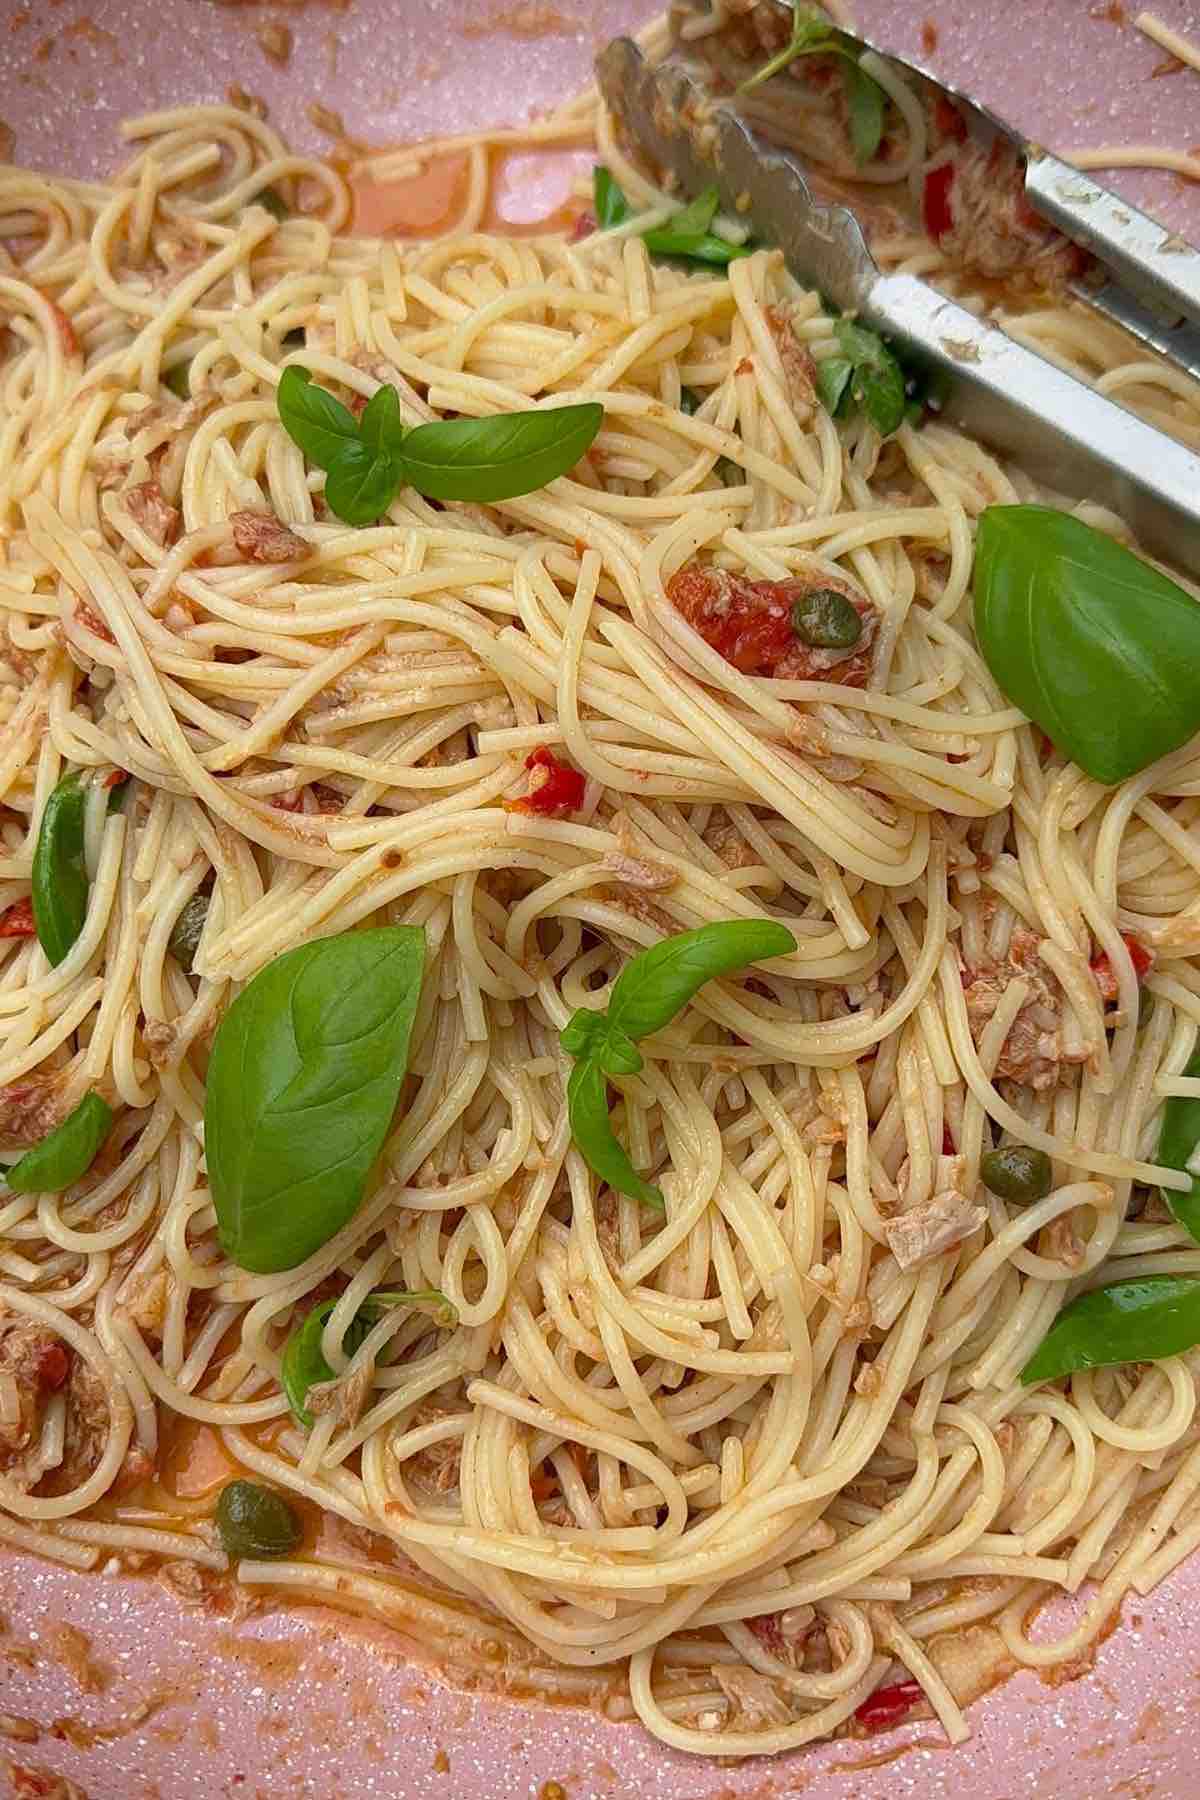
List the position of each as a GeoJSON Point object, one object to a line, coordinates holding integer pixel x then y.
{"type": "Point", "coordinates": [736, 1470]}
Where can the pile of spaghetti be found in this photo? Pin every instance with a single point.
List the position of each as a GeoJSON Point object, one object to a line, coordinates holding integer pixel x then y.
{"type": "Point", "coordinates": [751, 1469]}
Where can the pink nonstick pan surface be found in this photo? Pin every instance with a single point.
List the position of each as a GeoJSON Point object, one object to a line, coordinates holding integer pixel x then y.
{"type": "Point", "coordinates": [305, 1705]}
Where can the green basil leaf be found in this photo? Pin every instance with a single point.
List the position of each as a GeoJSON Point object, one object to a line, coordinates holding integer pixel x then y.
{"type": "Point", "coordinates": [584, 1032]}
{"type": "Point", "coordinates": [303, 1366]}
{"type": "Point", "coordinates": [591, 1128]}
{"type": "Point", "coordinates": [1141, 1320]}
{"type": "Point", "coordinates": [381, 427]}
{"type": "Point", "coordinates": [303, 1079]}
{"type": "Point", "coordinates": [659, 983]}
{"type": "Point", "coordinates": [273, 202]}
{"type": "Point", "coordinates": [1179, 1148]}
{"type": "Point", "coordinates": [618, 1054]}
{"type": "Point", "coordinates": [60, 883]}
{"type": "Point", "coordinates": [1093, 644]}
{"type": "Point", "coordinates": [608, 202]}
{"type": "Point", "coordinates": [186, 931]}
{"type": "Point", "coordinates": [499, 458]}
{"type": "Point", "coordinates": [361, 484]}
{"type": "Point", "coordinates": [833, 378]}
{"type": "Point", "coordinates": [716, 251]}
{"type": "Point", "coordinates": [877, 380]}
{"type": "Point", "coordinates": [811, 35]}
{"type": "Point", "coordinates": [67, 1154]}
{"type": "Point", "coordinates": [865, 103]}
{"type": "Point", "coordinates": [313, 419]}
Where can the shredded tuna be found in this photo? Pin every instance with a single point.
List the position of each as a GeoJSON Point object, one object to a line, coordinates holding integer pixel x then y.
{"type": "Point", "coordinates": [1061, 1242]}
{"type": "Point", "coordinates": [87, 1425]}
{"type": "Point", "coordinates": [1033, 1053]}
{"type": "Point", "coordinates": [784, 1634]}
{"type": "Point", "coordinates": [39, 1784]}
{"type": "Point", "coordinates": [636, 871]}
{"type": "Point", "coordinates": [209, 1590]}
{"type": "Point", "coordinates": [261, 537]}
{"type": "Point", "coordinates": [147, 508]}
{"type": "Point", "coordinates": [31, 1108]}
{"type": "Point", "coordinates": [749, 623]}
{"type": "Point", "coordinates": [33, 1365]}
{"type": "Point", "coordinates": [799, 369]}
{"type": "Point", "coordinates": [346, 1397]}
{"type": "Point", "coordinates": [436, 1468]}
{"type": "Point", "coordinates": [932, 1227]}
{"type": "Point", "coordinates": [144, 1299]}
{"type": "Point", "coordinates": [755, 1701]}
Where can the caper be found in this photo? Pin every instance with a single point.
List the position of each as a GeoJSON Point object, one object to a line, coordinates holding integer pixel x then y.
{"type": "Point", "coordinates": [255, 1521]}
{"type": "Point", "coordinates": [826, 620]}
{"type": "Point", "coordinates": [1017, 1173]}
{"type": "Point", "coordinates": [185, 933]}
{"type": "Point", "coordinates": [1145, 1007]}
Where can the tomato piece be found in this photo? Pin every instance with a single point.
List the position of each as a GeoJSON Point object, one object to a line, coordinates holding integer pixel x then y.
{"type": "Point", "coordinates": [949, 121]}
{"type": "Point", "coordinates": [947, 1141]}
{"type": "Point", "coordinates": [1141, 958]}
{"type": "Point", "coordinates": [543, 1483]}
{"type": "Point", "coordinates": [555, 788]}
{"type": "Point", "coordinates": [17, 920]}
{"type": "Point", "coordinates": [935, 200]}
{"type": "Point", "coordinates": [888, 1705]}
{"type": "Point", "coordinates": [52, 1368]}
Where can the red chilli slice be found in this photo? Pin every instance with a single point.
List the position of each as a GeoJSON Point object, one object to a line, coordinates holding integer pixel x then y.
{"type": "Point", "coordinates": [53, 1368]}
{"type": "Point", "coordinates": [1141, 958]}
{"type": "Point", "coordinates": [555, 788]}
{"type": "Point", "coordinates": [935, 201]}
{"type": "Point", "coordinates": [888, 1705]}
{"type": "Point", "coordinates": [17, 921]}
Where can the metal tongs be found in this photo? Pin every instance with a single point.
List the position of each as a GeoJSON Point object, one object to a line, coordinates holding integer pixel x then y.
{"type": "Point", "coordinates": [1062, 432]}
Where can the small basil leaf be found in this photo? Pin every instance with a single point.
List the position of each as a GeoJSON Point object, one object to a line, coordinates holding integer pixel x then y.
{"type": "Point", "coordinates": [865, 103]}
{"type": "Point", "coordinates": [381, 427]}
{"type": "Point", "coordinates": [584, 1032]}
{"type": "Point", "coordinates": [659, 983]}
{"type": "Point", "coordinates": [67, 1154]}
{"type": "Point", "coordinates": [1141, 1320]}
{"type": "Point", "coordinates": [608, 202]}
{"type": "Point", "coordinates": [303, 1365]}
{"type": "Point", "coordinates": [811, 35]}
{"type": "Point", "coordinates": [833, 378]}
{"type": "Point", "coordinates": [496, 459]}
{"type": "Point", "coordinates": [1179, 1148]}
{"type": "Point", "coordinates": [303, 1079]}
{"type": "Point", "coordinates": [187, 930]}
{"type": "Point", "coordinates": [273, 202]}
{"type": "Point", "coordinates": [1093, 644]}
{"type": "Point", "coordinates": [617, 1053]}
{"type": "Point", "coordinates": [361, 484]}
{"type": "Point", "coordinates": [313, 419]}
{"type": "Point", "coordinates": [591, 1128]}
{"type": "Point", "coordinates": [877, 380]}
{"type": "Point", "coordinates": [60, 883]}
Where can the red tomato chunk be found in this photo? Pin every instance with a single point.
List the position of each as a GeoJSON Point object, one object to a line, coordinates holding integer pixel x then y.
{"type": "Point", "coordinates": [17, 921]}
{"type": "Point", "coordinates": [888, 1705]}
{"type": "Point", "coordinates": [555, 788]}
{"type": "Point", "coordinates": [1141, 958]}
{"type": "Point", "coordinates": [749, 623]}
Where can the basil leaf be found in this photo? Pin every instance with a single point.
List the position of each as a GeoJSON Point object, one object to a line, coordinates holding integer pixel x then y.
{"type": "Point", "coordinates": [584, 1032]}
{"type": "Point", "coordinates": [659, 983]}
{"type": "Point", "coordinates": [68, 1152]}
{"type": "Point", "coordinates": [591, 1128]}
{"type": "Point", "coordinates": [608, 202]}
{"type": "Point", "coordinates": [303, 1079]}
{"type": "Point", "coordinates": [361, 484]}
{"type": "Point", "coordinates": [1093, 644]}
{"type": "Point", "coordinates": [313, 419]}
{"type": "Point", "coordinates": [865, 103]}
{"type": "Point", "coordinates": [717, 251]}
{"type": "Point", "coordinates": [498, 458]}
{"type": "Point", "coordinates": [1141, 1320]}
{"type": "Point", "coordinates": [877, 380]}
{"type": "Point", "coordinates": [1179, 1148]}
{"type": "Point", "coordinates": [811, 35]}
{"type": "Point", "coordinates": [381, 428]}
{"type": "Point", "coordinates": [60, 883]}
{"type": "Point", "coordinates": [303, 1365]}
{"type": "Point", "coordinates": [833, 378]}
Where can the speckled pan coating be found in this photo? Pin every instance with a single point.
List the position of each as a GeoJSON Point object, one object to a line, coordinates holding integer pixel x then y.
{"type": "Point", "coordinates": [302, 1706]}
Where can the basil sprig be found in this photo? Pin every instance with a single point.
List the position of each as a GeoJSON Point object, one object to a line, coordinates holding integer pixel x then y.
{"type": "Point", "coordinates": [368, 460]}
{"type": "Point", "coordinates": [67, 1154]}
{"type": "Point", "coordinates": [1141, 1320]}
{"type": "Point", "coordinates": [60, 883]}
{"type": "Point", "coordinates": [865, 374]}
{"type": "Point", "coordinates": [687, 234]}
{"type": "Point", "coordinates": [304, 1366]}
{"type": "Point", "coordinates": [1093, 644]}
{"type": "Point", "coordinates": [812, 35]}
{"type": "Point", "coordinates": [303, 1079]}
{"type": "Point", "coordinates": [646, 996]}
{"type": "Point", "coordinates": [1179, 1148]}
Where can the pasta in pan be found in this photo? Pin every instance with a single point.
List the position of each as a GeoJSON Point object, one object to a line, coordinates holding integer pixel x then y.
{"type": "Point", "coordinates": [747, 1467]}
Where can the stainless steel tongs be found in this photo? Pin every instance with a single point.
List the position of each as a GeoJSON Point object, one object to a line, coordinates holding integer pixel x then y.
{"type": "Point", "coordinates": [1063, 432]}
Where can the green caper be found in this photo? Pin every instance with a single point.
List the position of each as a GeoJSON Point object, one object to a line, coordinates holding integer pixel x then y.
{"type": "Point", "coordinates": [1017, 1173]}
{"type": "Point", "coordinates": [255, 1521]}
{"type": "Point", "coordinates": [1145, 1007]}
{"type": "Point", "coordinates": [826, 620]}
{"type": "Point", "coordinates": [185, 933]}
